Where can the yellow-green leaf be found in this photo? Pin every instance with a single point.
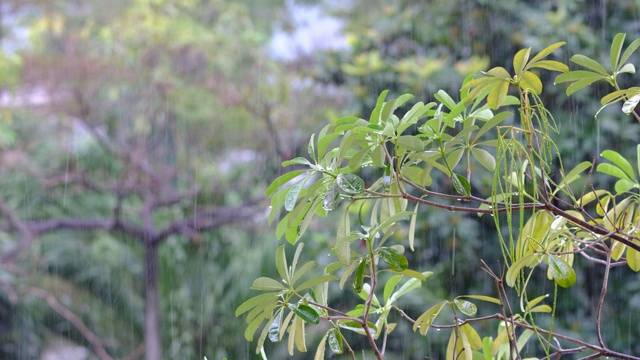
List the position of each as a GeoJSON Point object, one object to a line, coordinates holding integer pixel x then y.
{"type": "Point", "coordinates": [531, 81]}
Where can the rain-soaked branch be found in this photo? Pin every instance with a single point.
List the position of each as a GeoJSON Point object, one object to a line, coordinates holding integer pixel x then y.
{"type": "Point", "coordinates": [95, 341]}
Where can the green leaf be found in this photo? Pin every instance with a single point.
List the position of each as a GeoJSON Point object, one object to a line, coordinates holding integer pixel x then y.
{"type": "Point", "coordinates": [358, 279]}
{"type": "Point", "coordinates": [281, 180]}
{"type": "Point", "coordinates": [497, 94]}
{"type": "Point", "coordinates": [390, 286]}
{"type": "Point", "coordinates": [562, 273]}
{"type": "Point", "coordinates": [254, 301]}
{"type": "Point", "coordinates": [297, 274]}
{"type": "Point", "coordinates": [294, 191]}
{"type": "Point", "coordinates": [633, 258]}
{"type": "Point", "coordinates": [531, 81]}
{"type": "Point", "coordinates": [311, 148]}
{"type": "Point", "coordinates": [624, 186]}
{"type": "Point", "coordinates": [281, 263]}
{"type": "Point", "coordinates": [351, 184]}
{"type": "Point", "coordinates": [474, 339]}
{"type": "Point", "coordinates": [520, 60]}
{"type": "Point", "coordinates": [306, 313]}
{"type": "Point", "coordinates": [357, 327]}
{"type": "Point", "coordinates": [409, 142]}
{"type": "Point", "coordinates": [331, 197]}
{"type": "Point", "coordinates": [545, 52]}
{"type": "Point", "coordinates": [424, 321]}
{"type": "Point", "coordinates": [375, 114]}
{"type": "Point", "coordinates": [403, 215]}
{"type": "Point", "coordinates": [493, 122]}
{"type": "Point", "coordinates": [461, 184]}
{"type": "Point", "coordinates": [335, 341]}
{"type": "Point", "coordinates": [393, 259]}
{"type": "Point", "coordinates": [315, 281]}
{"type": "Point", "coordinates": [466, 307]}
{"type": "Point", "coordinates": [411, 284]}
{"type": "Point", "coordinates": [551, 65]}
{"type": "Point", "coordinates": [321, 348]}
{"type": "Point", "coordinates": [483, 298]}
{"type": "Point", "coordinates": [629, 51]}
{"type": "Point", "coordinates": [581, 84]}
{"type": "Point", "coordinates": [612, 170]}
{"type": "Point", "coordinates": [297, 161]}
{"type": "Point", "coordinates": [516, 267]}
{"type": "Point", "coordinates": [616, 49]}
{"type": "Point", "coordinates": [252, 328]}
{"type": "Point", "coordinates": [266, 283]}
{"type": "Point", "coordinates": [484, 158]}
{"type": "Point", "coordinates": [589, 63]}
{"type": "Point", "coordinates": [412, 226]}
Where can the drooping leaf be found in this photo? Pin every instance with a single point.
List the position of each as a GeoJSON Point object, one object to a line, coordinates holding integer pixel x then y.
{"type": "Point", "coordinates": [424, 321]}
{"type": "Point", "coordinates": [331, 197]}
{"type": "Point", "coordinates": [292, 195]}
{"type": "Point", "coordinates": [562, 273]}
{"type": "Point", "coordinates": [274, 327]}
{"type": "Point", "coordinates": [335, 342]}
{"type": "Point", "coordinates": [322, 345]}
{"type": "Point", "coordinates": [461, 184]}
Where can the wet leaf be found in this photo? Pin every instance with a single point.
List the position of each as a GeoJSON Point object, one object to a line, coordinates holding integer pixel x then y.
{"type": "Point", "coordinates": [424, 321]}
{"type": "Point", "coordinates": [274, 327]}
{"type": "Point", "coordinates": [466, 307]}
{"type": "Point", "coordinates": [331, 197]}
{"type": "Point", "coordinates": [393, 259]}
{"type": "Point", "coordinates": [461, 184]}
{"type": "Point", "coordinates": [351, 184]}
{"type": "Point", "coordinates": [335, 341]}
{"type": "Point", "coordinates": [358, 279]}
{"type": "Point", "coordinates": [306, 313]}
{"type": "Point", "coordinates": [562, 273]}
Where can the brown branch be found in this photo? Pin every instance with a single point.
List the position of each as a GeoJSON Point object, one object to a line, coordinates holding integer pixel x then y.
{"type": "Point", "coordinates": [74, 319]}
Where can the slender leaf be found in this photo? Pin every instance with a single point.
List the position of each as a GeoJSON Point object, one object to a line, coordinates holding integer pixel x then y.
{"type": "Point", "coordinates": [589, 63]}
{"type": "Point", "coordinates": [265, 283]}
{"type": "Point", "coordinates": [629, 51]}
{"type": "Point", "coordinates": [616, 49]}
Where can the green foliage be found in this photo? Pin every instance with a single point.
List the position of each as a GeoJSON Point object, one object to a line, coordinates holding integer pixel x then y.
{"type": "Point", "coordinates": [547, 222]}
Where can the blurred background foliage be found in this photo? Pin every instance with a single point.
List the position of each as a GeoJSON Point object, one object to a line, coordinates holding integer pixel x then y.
{"type": "Point", "coordinates": [203, 92]}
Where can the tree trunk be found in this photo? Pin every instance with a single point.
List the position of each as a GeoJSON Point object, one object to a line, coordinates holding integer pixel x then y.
{"type": "Point", "coordinates": [153, 345]}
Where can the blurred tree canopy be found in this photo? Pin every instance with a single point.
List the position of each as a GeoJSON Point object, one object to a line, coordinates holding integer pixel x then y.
{"type": "Point", "coordinates": [148, 129]}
